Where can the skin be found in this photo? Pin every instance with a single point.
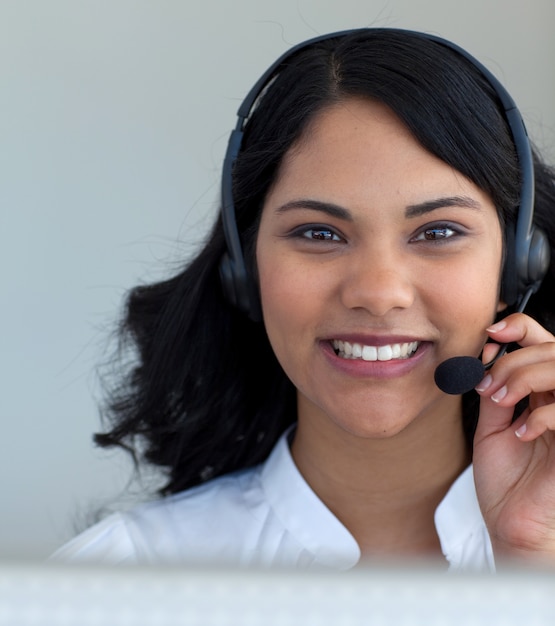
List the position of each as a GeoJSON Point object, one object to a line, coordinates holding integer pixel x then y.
{"type": "Point", "coordinates": [366, 237]}
{"type": "Point", "coordinates": [515, 475]}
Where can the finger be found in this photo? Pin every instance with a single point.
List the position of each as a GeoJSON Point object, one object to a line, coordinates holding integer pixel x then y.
{"type": "Point", "coordinates": [493, 419]}
{"type": "Point", "coordinates": [542, 355]}
{"type": "Point", "coordinates": [519, 328]}
{"type": "Point", "coordinates": [519, 374]}
{"type": "Point", "coordinates": [537, 423]}
{"type": "Point", "coordinates": [490, 352]}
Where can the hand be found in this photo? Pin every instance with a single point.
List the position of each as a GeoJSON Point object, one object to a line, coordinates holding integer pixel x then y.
{"type": "Point", "coordinates": [514, 463]}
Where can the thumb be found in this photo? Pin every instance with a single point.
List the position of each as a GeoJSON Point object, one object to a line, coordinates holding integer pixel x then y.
{"type": "Point", "coordinates": [489, 352]}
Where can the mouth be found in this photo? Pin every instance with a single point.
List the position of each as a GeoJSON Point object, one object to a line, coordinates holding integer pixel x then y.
{"type": "Point", "coordinates": [388, 352]}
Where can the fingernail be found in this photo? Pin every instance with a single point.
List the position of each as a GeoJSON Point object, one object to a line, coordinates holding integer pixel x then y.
{"type": "Point", "coordinates": [520, 431]}
{"type": "Point", "coordinates": [484, 384]}
{"type": "Point", "coordinates": [494, 328]}
{"type": "Point", "coordinates": [499, 394]}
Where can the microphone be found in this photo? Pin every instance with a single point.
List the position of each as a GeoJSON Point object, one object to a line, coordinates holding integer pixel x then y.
{"type": "Point", "coordinates": [460, 374]}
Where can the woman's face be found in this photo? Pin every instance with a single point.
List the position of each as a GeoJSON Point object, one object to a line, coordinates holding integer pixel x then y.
{"type": "Point", "coordinates": [377, 261]}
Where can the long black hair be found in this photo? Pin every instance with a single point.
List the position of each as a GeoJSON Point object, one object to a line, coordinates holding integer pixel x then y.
{"type": "Point", "coordinates": [204, 394]}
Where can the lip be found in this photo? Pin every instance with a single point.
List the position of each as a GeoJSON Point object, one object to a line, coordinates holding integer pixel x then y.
{"type": "Point", "coordinates": [375, 369]}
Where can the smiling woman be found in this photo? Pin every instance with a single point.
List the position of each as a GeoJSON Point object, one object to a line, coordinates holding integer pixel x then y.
{"type": "Point", "coordinates": [375, 203]}
{"type": "Point", "coordinates": [372, 282]}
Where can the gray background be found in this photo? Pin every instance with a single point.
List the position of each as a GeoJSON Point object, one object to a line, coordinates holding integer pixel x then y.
{"type": "Point", "coordinates": [114, 119]}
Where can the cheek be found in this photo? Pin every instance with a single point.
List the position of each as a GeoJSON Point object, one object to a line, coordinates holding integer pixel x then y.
{"type": "Point", "coordinates": [285, 300]}
{"type": "Point", "coordinates": [470, 292]}
{"type": "Point", "coordinates": [292, 306]}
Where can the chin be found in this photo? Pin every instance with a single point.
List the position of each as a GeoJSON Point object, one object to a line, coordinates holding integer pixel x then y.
{"type": "Point", "coordinates": [392, 419]}
{"type": "Point", "coordinates": [374, 427]}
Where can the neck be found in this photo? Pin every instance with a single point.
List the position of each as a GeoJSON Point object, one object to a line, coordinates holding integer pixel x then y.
{"type": "Point", "coordinates": [384, 491]}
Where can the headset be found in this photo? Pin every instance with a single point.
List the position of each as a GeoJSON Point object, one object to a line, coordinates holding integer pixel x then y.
{"type": "Point", "coordinates": [527, 248]}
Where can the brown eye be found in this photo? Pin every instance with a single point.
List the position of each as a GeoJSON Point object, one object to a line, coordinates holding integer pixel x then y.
{"type": "Point", "coordinates": [324, 235]}
{"type": "Point", "coordinates": [321, 234]}
{"type": "Point", "coordinates": [436, 233]}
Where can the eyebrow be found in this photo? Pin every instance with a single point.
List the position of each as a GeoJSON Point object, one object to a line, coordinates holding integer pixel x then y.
{"type": "Point", "coordinates": [334, 210]}
{"type": "Point", "coordinates": [413, 210]}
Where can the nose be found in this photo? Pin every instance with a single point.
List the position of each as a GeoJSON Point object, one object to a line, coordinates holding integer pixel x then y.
{"type": "Point", "coordinates": [378, 282]}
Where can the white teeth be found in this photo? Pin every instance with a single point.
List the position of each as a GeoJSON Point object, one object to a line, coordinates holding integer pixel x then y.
{"type": "Point", "coordinates": [385, 353]}
{"type": "Point", "coordinates": [347, 350]}
{"type": "Point", "coordinates": [369, 353]}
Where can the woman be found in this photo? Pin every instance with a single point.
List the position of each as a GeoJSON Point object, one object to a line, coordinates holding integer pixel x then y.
{"type": "Point", "coordinates": [285, 378]}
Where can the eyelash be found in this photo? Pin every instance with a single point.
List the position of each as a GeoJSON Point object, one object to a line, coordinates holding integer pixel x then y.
{"type": "Point", "coordinates": [328, 234]}
{"type": "Point", "coordinates": [437, 228]}
{"type": "Point", "coordinates": [304, 234]}
{"type": "Point", "coordinates": [445, 230]}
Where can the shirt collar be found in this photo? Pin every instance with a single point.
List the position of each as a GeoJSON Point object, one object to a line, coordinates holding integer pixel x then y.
{"type": "Point", "coordinates": [308, 519]}
{"type": "Point", "coordinates": [304, 515]}
{"type": "Point", "coordinates": [458, 515]}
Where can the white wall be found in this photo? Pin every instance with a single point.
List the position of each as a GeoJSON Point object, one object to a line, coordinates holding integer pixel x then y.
{"type": "Point", "coordinates": [114, 118]}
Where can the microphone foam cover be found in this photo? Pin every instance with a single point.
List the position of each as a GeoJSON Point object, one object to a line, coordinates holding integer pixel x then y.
{"type": "Point", "coordinates": [459, 374]}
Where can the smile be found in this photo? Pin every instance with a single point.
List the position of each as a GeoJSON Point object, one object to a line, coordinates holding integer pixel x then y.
{"type": "Point", "coordinates": [389, 352]}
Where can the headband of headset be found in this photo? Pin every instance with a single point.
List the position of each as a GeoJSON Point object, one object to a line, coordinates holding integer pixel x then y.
{"type": "Point", "coordinates": [527, 248]}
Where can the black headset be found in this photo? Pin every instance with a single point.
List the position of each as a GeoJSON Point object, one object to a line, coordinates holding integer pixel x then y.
{"type": "Point", "coordinates": [527, 248]}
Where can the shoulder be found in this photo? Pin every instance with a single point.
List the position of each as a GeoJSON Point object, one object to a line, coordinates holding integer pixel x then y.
{"type": "Point", "coordinates": [106, 542]}
{"type": "Point", "coordinates": [187, 526]}
{"type": "Point", "coordinates": [266, 515]}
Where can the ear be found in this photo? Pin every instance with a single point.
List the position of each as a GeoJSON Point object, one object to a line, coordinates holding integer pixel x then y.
{"type": "Point", "coordinates": [501, 306]}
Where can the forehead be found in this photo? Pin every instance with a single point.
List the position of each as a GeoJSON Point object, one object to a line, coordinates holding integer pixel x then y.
{"type": "Point", "coordinates": [356, 112]}
{"type": "Point", "coordinates": [359, 148]}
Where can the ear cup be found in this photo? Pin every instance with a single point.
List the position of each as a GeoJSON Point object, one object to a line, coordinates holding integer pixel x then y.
{"type": "Point", "coordinates": [237, 284]}
{"type": "Point", "coordinates": [509, 280]}
{"type": "Point", "coordinates": [526, 264]}
{"type": "Point", "coordinates": [227, 279]}
{"type": "Point", "coordinates": [239, 288]}
{"type": "Point", "coordinates": [539, 253]}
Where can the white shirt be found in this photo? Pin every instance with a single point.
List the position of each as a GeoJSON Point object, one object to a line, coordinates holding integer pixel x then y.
{"type": "Point", "coordinates": [265, 516]}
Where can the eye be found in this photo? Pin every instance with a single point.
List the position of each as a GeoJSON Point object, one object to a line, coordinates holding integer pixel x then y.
{"type": "Point", "coordinates": [437, 232]}
{"type": "Point", "coordinates": [317, 233]}
{"type": "Point", "coordinates": [321, 234]}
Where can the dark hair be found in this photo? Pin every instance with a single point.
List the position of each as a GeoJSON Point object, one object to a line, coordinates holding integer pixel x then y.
{"type": "Point", "coordinates": [204, 394]}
